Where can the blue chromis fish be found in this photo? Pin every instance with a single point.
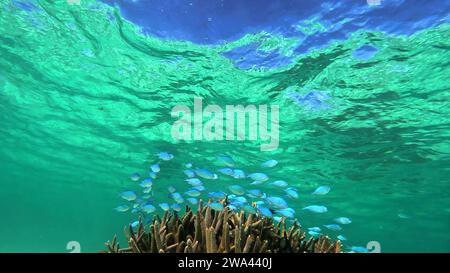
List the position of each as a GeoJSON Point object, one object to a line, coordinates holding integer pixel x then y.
{"type": "Point", "coordinates": [189, 173]}
{"type": "Point", "coordinates": [269, 163]}
{"type": "Point", "coordinates": [204, 173]}
{"type": "Point", "coordinates": [188, 165]}
{"type": "Point", "coordinates": [128, 195]}
{"type": "Point", "coordinates": [135, 177]}
{"type": "Point", "coordinates": [291, 193]}
{"type": "Point", "coordinates": [194, 182]}
{"type": "Point", "coordinates": [279, 183]}
{"type": "Point", "coordinates": [177, 197]}
{"type": "Point", "coordinates": [265, 211]}
{"type": "Point", "coordinates": [146, 183]}
{"type": "Point", "coordinates": [193, 193]}
{"type": "Point", "coordinates": [122, 208]}
{"type": "Point", "coordinates": [236, 189]}
{"type": "Point", "coordinates": [258, 176]}
{"type": "Point", "coordinates": [171, 189]}
{"type": "Point", "coordinates": [199, 188]}
{"type": "Point", "coordinates": [343, 220]}
{"type": "Point", "coordinates": [277, 218]}
{"type": "Point", "coordinates": [216, 206]}
{"type": "Point", "coordinates": [218, 195]}
{"type": "Point", "coordinates": [322, 190]}
{"type": "Point", "coordinates": [135, 224]}
{"type": "Point", "coordinates": [314, 233]}
{"type": "Point", "coordinates": [148, 208]}
{"type": "Point", "coordinates": [249, 209]}
{"type": "Point", "coordinates": [192, 201]}
{"type": "Point", "coordinates": [359, 249]}
{"type": "Point", "coordinates": [152, 175]}
{"type": "Point", "coordinates": [240, 199]}
{"type": "Point", "coordinates": [238, 174]}
{"type": "Point", "coordinates": [333, 227]}
{"type": "Point", "coordinates": [226, 171]}
{"type": "Point", "coordinates": [155, 168]}
{"type": "Point", "coordinates": [316, 209]}
{"type": "Point", "coordinates": [341, 238]}
{"type": "Point", "coordinates": [227, 160]}
{"type": "Point", "coordinates": [147, 190]}
{"type": "Point", "coordinates": [256, 193]}
{"type": "Point", "coordinates": [256, 182]}
{"type": "Point", "coordinates": [165, 156]}
{"type": "Point", "coordinates": [276, 202]}
{"type": "Point", "coordinates": [287, 212]}
{"type": "Point", "coordinates": [164, 206]}
{"type": "Point", "coordinates": [176, 207]}
{"type": "Point", "coordinates": [146, 196]}
{"type": "Point", "coordinates": [315, 229]}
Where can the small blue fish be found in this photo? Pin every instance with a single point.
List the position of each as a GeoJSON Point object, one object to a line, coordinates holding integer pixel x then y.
{"type": "Point", "coordinates": [165, 156]}
{"type": "Point", "coordinates": [238, 174]}
{"type": "Point", "coordinates": [146, 196]}
{"type": "Point", "coordinates": [227, 160]}
{"type": "Point", "coordinates": [146, 183]}
{"type": "Point", "coordinates": [176, 207]}
{"type": "Point", "coordinates": [232, 207]}
{"type": "Point", "coordinates": [135, 210]}
{"type": "Point", "coordinates": [155, 168]}
{"type": "Point", "coordinates": [192, 201]}
{"type": "Point", "coordinates": [291, 193]}
{"type": "Point", "coordinates": [148, 208]}
{"type": "Point", "coordinates": [177, 197]}
{"type": "Point", "coordinates": [135, 224]}
{"type": "Point", "coordinates": [122, 208]}
{"type": "Point", "coordinates": [333, 227]}
{"type": "Point", "coordinates": [276, 202]}
{"type": "Point", "coordinates": [128, 195]}
{"type": "Point", "coordinates": [359, 249]}
{"type": "Point", "coordinates": [279, 183]}
{"type": "Point", "coordinates": [314, 233]}
{"type": "Point", "coordinates": [343, 220]}
{"type": "Point", "coordinates": [199, 188]}
{"type": "Point", "coordinates": [135, 177]}
{"type": "Point", "coordinates": [265, 212]}
{"type": "Point", "coordinates": [240, 199]}
{"type": "Point", "coordinates": [194, 182]}
{"type": "Point", "coordinates": [287, 212]}
{"type": "Point", "coordinates": [217, 195]}
{"type": "Point", "coordinates": [236, 189]}
{"type": "Point", "coordinates": [255, 194]}
{"type": "Point", "coordinates": [147, 190]}
{"type": "Point", "coordinates": [277, 219]}
{"type": "Point", "coordinates": [189, 173]}
{"type": "Point", "coordinates": [258, 176]}
{"type": "Point", "coordinates": [171, 189]}
{"type": "Point", "coordinates": [188, 165]}
{"type": "Point", "coordinates": [152, 175]}
{"type": "Point", "coordinates": [249, 209]}
{"type": "Point", "coordinates": [226, 171]}
{"type": "Point", "coordinates": [216, 206]}
{"type": "Point", "coordinates": [193, 193]}
{"type": "Point", "coordinates": [206, 174]}
{"type": "Point", "coordinates": [269, 163]}
{"type": "Point", "coordinates": [315, 229]}
{"type": "Point", "coordinates": [316, 209]}
{"type": "Point", "coordinates": [341, 238]}
{"type": "Point", "coordinates": [322, 190]}
{"type": "Point", "coordinates": [256, 182]}
{"type": "Point", "coordinates": [164, 206]}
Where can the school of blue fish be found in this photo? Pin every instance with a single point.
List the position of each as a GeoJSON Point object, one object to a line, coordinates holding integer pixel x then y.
{"type": "Point", "coordinates": [239, 196]}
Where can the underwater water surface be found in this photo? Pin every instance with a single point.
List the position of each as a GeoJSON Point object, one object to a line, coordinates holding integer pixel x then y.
{"type": "Point", "coordinates": [86, 92]}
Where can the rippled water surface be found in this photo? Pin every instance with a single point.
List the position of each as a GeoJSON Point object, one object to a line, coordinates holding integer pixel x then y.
{"type": "Point", "coordinates": [86, 93]}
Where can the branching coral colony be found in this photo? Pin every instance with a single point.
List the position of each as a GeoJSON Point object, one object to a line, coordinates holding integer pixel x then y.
{"type": "Point", "coordinates": [223, 231]}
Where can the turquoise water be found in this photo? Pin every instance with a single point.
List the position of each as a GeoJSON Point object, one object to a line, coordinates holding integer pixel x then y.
{"type": "Point", "coordinates": [85, 101]}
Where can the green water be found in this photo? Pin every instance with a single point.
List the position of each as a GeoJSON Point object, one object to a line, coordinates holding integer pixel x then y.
{"type": "Point", "coordinates": [85, 102]}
